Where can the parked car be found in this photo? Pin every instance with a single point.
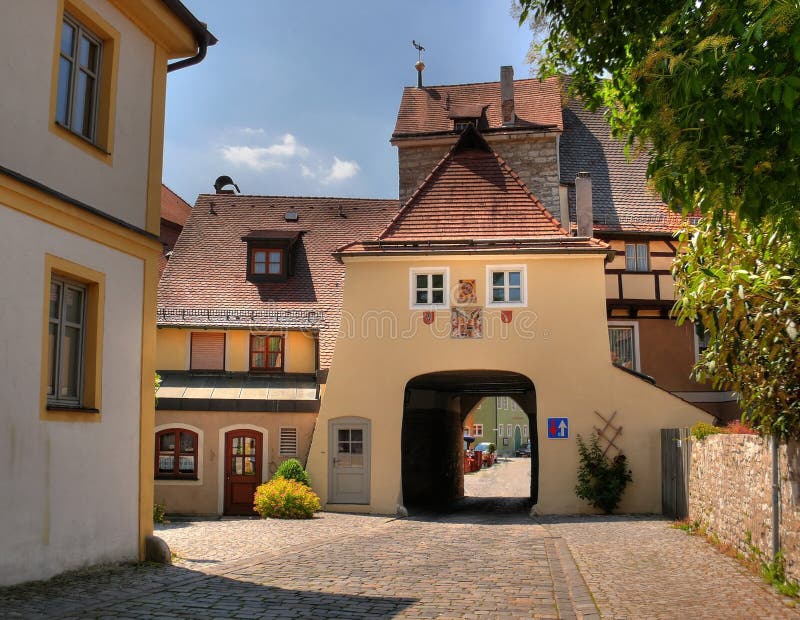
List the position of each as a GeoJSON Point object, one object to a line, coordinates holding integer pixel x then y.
{"type": "Point", "coordinates": [524, 451]}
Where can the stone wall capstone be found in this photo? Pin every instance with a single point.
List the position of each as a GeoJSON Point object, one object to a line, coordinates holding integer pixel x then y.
{"type": "Point", "coordinates": [730, 493]}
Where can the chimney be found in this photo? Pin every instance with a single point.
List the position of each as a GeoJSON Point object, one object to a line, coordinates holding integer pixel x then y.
{"type": "Point", "coordinates": [507, 95]}
{"type": "Point", "coordinates": [583, 204]}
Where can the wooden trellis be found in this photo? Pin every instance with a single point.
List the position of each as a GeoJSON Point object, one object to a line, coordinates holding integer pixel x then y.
{"type": "Point", "coordinates": [609, 433]}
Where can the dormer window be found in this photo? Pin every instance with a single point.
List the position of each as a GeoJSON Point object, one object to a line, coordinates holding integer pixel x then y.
{"type": "Point", "coordinates": [460, 124]}
{"type": "Point", "coordinates": [266, 261]}
{"type": "Point", "coordinates": [270, 254]}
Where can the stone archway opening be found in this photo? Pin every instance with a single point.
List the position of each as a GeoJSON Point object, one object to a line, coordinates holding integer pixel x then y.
{"type": "Point", "coordinates": [435, 409]}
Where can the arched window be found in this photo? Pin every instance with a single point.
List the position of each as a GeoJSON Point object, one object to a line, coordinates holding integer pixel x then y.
{"type": "Point", "coordinates": [176, 454]}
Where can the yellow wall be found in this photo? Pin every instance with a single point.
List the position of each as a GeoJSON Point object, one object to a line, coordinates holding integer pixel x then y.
{"type": "Point", "coordinates": [560, 342]}
{"type": "Point", "coordinates": [174, 344]}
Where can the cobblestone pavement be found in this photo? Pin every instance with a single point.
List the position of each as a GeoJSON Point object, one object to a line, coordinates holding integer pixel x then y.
{"type": "Point", "coordinates": [508, 477]}
{"type": "Point", "coordinates": [463, 565]}
{"type": "Point", "coordinates": [476, 562]}
{"type": "Point", "coordinates": [639, 567]}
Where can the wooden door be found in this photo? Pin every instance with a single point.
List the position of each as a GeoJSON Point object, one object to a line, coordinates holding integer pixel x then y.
{"type": "Point", "coordinates": [243, 450]}
{"type": "Point", "coordinates": [350, 468]}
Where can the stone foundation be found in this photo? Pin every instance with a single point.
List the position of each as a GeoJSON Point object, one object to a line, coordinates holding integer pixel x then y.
{"type": "Point", "coordinates": [730, 493]}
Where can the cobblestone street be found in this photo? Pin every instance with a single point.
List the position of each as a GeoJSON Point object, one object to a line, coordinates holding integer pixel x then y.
{"type": "Point", "coordinates": [466, 564]}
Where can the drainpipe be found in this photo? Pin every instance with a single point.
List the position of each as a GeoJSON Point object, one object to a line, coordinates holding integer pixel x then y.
{"type": "Point", "coordinates": [776, 497]}
{"type": "Point", "coordinates": [202, 43]}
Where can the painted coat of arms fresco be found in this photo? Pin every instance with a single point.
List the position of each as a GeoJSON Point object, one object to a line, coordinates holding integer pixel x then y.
{"type": "Point", "coordinates": [466, 292]}
{"type": "Point", "coordinates": [466, 322]}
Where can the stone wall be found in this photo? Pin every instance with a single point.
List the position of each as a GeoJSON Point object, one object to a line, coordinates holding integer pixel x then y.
{"type": "Point", "coordinates": [730, 493]}
{"type": "Point", "coordinates": [534, 159]}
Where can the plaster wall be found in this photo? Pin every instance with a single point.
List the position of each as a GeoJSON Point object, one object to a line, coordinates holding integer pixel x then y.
{"type": "Point", "coordinates": [559, 341]}
{"type": "Point", "coordinates": [534, 159]}
{"type": "Point", "coordinates": [31, 148]}
{"type": "Point", "coordinates": [70, 490]}
{"type": "Point", "coordinates": [204, 496]}
{"type": "Point", "coordinates": [173, 346]}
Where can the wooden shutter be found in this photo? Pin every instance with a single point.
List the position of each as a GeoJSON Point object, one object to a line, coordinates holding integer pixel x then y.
{"type": "Point", "coordinates": [288, 442]}
{"type": "Point", "coordinates": [208, 351]}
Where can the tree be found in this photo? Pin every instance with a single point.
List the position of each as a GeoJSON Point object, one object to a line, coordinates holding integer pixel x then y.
{"type": "Point", "coordinates": [707, 88]}
{"type": "Point", "coordinates": [742, 283]}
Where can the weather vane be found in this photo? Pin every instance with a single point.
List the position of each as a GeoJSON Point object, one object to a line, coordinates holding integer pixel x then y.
{"type": "Point", "coordinates": [420, 49]}
{"type": "Point", "coordinates": [419, 65]}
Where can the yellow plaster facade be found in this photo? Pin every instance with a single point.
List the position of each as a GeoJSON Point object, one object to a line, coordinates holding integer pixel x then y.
{"type": "Point", "coordinates": [559, 341]}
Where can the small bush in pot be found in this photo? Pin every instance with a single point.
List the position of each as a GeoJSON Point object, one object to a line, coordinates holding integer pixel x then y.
{"type": "Point", "coordinates": [601, 480]}
{"type": "Point", "coordinates": [285, 499]}
{"type": "Point", "coordinates": [292, 470]}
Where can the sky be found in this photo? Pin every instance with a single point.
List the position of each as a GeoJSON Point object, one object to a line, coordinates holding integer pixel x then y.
{"type": "Point", "coordinates": [299, 98]}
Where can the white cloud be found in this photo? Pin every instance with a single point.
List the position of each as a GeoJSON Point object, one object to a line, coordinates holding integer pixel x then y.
{"type": "Point", "coordinates": [252, 131]}
{"type": "Point", "coordinates": [307, 172]}
{"type": "Point", "coordinates": [264, 157]}
{"type": "Point", "coordinates": [341, 170]}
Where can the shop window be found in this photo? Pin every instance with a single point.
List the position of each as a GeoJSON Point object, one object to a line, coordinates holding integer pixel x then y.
{"type": "Point", "coordinates": [176, 454]}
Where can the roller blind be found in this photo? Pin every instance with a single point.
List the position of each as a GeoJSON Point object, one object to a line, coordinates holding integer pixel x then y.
{"type": "Point", "coordinates": [208, 351]}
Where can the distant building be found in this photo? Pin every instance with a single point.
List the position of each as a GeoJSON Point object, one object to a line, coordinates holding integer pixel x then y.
{"type": "Point", "coordinates": [174, 213]}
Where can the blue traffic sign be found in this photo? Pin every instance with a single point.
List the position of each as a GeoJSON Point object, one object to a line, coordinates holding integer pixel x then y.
{"type": "Point", "coordinates": [558, 428]}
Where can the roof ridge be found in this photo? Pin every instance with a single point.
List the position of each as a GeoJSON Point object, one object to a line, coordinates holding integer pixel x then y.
{"type": "Point", "coordinates": [531, 79]}
{"type": "Point", "coordinates": [300, 197]}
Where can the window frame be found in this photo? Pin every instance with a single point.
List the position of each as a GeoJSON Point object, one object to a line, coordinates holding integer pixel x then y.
{"type": "Point", "coordinates": [178, 431]}
{"type": "Point", "coordinates": [265, 368]}
{"type": "Point", "coordinates": [253, 250]}
{"type": "Point", "coordinates": [88, 407]}
{"type": "Point", "coordinates": [637, 255]}
{"type": "Point", "coordinates": [429, 271]}
{"type": "Point", "coordinates": [476, 428]}
{"type": "Point", "coordinates": [224, 351]}
{"type": "Point", "coordinates": [499, 430]}
{"type": "Point", "coordinates": [634, 325]}
{"type": "Point", "coordinates": [699, 340]}
{"type": "Point", "coordinates": [54, 400]}
{"type": "Point", "coordinates": [523, 279]}
{"type": "Point", "coordinates": [101, 145]}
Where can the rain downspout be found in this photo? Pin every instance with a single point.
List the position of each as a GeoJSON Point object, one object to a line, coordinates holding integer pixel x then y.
{"type": "Point", "coordinates": [776, 497]}
{"type": "Point", "coordinates": [202, 43]}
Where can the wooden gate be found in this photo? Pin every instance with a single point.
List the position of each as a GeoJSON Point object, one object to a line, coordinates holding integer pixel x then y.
{"type": "Point", "coordinates": [675, 457]}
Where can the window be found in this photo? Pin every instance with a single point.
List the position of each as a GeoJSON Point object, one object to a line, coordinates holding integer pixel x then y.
{"type": "Point", "coordinates": [477, 430]}
{"type": "Point", "coordinates": [509, 429]}
{"type": "Point", "coordinates": [460, 124]}
{"type": "Point", "coordinates": [176, 454]}
{"type": "Point", "coordinates": [67, 318]}
{"type": "Point", "coordinates": [78, 76]}
{"type": "Point", "coordinates": [506, 285]}
{"type": "Point", "coordinates": [288, 441]}
{"type": "Point", "coordinates": [500, 430]}
{"type": "Point", "coordinates": [266, 352]}
{"type": "Point", "coordinates": [207, 351]}
{"type": "Point", "coordinates": [83, 95]}
{"type": "Point", "coordinates": [72, 341]}
{"type": "Point", "coordinates": [524, 430]}
{"type": "Point", "coordinates": [701, 339]}
{"type": "Point", "coordinates": [636, 257]}
{"type": "Point", "coordinates": [429, 288]}
{"type": "Point", "coordinates": [622, 342]}
{"type": "Point", "coordinates": [266, 262]}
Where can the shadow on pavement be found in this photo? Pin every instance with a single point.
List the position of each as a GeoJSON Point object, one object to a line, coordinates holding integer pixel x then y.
{"type": "Point", "coordinates": [144, 590]}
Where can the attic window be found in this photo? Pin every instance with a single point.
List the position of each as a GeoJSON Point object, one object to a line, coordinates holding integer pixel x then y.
{"type": "Point", "coordinates": [269, 254]}
{"type": "Point", "coordinates": [460, 124]}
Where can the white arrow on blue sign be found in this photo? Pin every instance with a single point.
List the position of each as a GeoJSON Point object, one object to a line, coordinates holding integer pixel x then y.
{"type": "Point", "coordinates": [558, 428]}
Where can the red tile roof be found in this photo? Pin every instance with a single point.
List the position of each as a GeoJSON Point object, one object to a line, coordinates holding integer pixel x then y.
{"type": "Point", "coordinates": [174, 208]}
{"type": "Point", "coordinates": [205, 281]}
{"type": "Point", "coordinates": [431, 109]}
{"type": "Point", "coordinates": [472, 196]}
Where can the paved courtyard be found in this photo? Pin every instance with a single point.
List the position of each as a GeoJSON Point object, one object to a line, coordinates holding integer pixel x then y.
{"type": "Point", "coordinates": [482, 561]}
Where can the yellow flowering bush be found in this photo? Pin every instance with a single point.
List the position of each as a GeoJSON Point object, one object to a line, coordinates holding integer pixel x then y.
{"type": "Point", "coordinates": [285, 499]}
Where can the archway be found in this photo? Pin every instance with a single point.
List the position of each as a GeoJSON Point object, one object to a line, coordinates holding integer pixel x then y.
{"type": "Point", "coordinates": [435, 407]}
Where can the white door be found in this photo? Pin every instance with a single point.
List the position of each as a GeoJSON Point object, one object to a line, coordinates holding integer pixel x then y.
{"type": "Point", "coordinates": [349, 467]}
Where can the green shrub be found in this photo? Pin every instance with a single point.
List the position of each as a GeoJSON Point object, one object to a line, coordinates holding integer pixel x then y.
{"type": "Point", "coordinates": [159, 512]}
{"type": "Point", "coordinates": [292, 470]}
{"type": "Point", "coordinates": [285, 499]}
{"type": "Point", "coordinates": [601, 480]}
{"type": "Point", "coordinates": [701, 430]}
{"type": "Point", "coordinates": [492, 448]}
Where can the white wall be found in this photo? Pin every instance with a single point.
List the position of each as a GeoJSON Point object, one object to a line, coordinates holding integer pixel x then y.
{"type": "Point", "coordinates": [27, 31]}
{"type": "Point", "coordinates": [69, 492]}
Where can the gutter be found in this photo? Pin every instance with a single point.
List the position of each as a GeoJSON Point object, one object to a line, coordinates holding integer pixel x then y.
{"type": "Point", "coordinates": [200, 31]}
